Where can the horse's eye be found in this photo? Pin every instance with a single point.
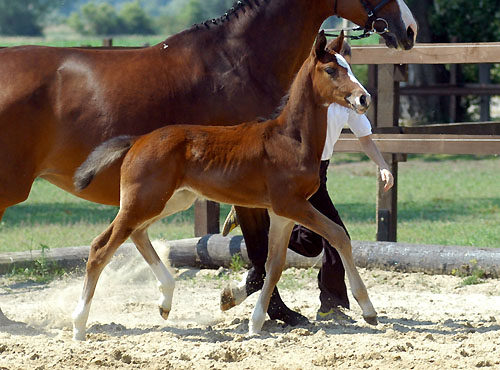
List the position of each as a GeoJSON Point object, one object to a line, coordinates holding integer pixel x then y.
{"type": "Point", "coordinates": [331, 71]}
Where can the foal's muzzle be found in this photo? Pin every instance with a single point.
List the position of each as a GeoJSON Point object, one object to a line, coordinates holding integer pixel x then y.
{"type": "Point", "coordinates": [359, 102]}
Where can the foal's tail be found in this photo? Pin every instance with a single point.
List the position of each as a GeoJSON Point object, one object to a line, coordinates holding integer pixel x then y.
{"type": "Point", "coordinates": [102, 156]}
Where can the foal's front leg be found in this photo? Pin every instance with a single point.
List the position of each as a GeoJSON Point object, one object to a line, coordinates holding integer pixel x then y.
{"type": "Point", "coordinates": [302, 212]}
{"type": "Point", "coordinates": [279, 236]}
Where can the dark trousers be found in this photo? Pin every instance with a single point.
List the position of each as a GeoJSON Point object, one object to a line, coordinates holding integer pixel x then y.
{"type": "Point", "coordinates": [307, 243]}
{"type": "Point", "coordinates": [303, 241]}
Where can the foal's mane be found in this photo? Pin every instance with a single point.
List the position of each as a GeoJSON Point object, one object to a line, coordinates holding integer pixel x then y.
{"type": "Point", "coordinates": [279, 109]}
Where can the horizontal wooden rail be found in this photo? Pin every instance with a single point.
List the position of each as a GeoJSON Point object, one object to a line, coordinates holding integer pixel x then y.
{"type": "Point", "coordinates": [445, 89]}
{"type": "Point", "coordinates": [480, 128]}
{"type": "Point", "coordinates": [425, 144]}
{"type": "Point", "coordinates": [428, 54]}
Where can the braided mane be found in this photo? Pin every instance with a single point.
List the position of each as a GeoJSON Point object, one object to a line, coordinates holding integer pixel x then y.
{"type": "Point", "coordinates": [239, 6]}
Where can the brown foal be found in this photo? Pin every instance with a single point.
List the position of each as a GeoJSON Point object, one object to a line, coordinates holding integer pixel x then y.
{"type": "Point", "coordinates": [271, 165]}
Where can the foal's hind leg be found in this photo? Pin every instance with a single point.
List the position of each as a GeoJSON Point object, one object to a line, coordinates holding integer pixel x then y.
{"type": "Point", "coordinates": [166, 282]}
{"type": "Point", "coordinates": [102, 249]}
{"type": "Point", "coordinates": [180, 201]}
{"type": "Point", "coordinates": [279, 235]}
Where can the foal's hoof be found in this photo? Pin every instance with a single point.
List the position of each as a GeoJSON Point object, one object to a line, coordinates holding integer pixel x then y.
{"type": "Point", "coordinates": [79, 336]}
{"type": "Point", "coordinates": [372, 320]}
{"type": "Point", "coordinates": [227, 299]}
{"type": "Point", "coordinates": [164, 313]}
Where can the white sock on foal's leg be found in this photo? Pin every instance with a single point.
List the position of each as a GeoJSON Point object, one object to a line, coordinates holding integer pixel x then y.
{"type": "Point", "coordinates": [80, 317]}
{"type": "Point", "coordinates": [257, 319]}
{"type": "Point", "coordinates": [240, 291]}
{"type": "Point", "coordinates": [234, 295]}
{"type": "Point", "coordinates": [166, 285]}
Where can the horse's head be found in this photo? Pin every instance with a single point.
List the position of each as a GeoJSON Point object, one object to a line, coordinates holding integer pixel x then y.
{"type": "Point", "coordinates": [389, 18]}
{"type": "Point", "coordinates": [333, 80]}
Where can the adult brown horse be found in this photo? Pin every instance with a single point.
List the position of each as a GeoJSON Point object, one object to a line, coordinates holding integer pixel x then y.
{"type": "Point", "coordinates": [272, 165]}
{"type": "Point", "coordinates": [58, 104]}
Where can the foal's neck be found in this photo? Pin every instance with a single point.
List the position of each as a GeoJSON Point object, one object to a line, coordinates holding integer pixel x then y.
{"type": "Point", "coordinates": [304, 118]}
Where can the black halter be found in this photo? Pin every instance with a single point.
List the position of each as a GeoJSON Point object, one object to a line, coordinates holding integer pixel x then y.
{"type": "Point", "coordinates": [372, 17]}
{"type": "Point", "coordinates": [371, 22]}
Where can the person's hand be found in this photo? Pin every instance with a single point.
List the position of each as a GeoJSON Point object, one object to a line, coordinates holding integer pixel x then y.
{"type": "Point", "coordinates": [387, 178]}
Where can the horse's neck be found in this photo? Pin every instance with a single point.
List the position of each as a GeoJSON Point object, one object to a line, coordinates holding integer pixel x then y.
{"type": "Point", "coordinates": [304, 118]}
{"type": "Point", "coordinates": [281, 33]}
{"type": "Point", "coordinates": [271, 39]}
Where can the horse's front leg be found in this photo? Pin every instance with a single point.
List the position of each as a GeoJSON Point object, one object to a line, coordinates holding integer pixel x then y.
{"type": "Point", "coordinates": [302, 212]}
{"type": "Point", "coordinates": [279, 235]}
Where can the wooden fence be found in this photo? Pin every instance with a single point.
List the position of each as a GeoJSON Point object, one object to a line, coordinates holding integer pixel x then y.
{"type": "Point", "coordinates": [387, 69]}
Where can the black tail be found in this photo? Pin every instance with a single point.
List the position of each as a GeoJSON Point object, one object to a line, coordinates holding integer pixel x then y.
{"type": "Point", "coordinates": [102, 156]}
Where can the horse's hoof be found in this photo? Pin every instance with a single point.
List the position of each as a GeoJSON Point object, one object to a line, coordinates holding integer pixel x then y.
{"type": "Point", "coordinates": [164, 313]}
{"type": "Point", "coordinates": [372, 320]}
{"type": "Point", "coordinates": [227, 299]}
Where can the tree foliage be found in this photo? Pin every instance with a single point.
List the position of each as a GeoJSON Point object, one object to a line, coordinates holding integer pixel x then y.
{"type": "Point", "coordinates": [451, 21]}
{"type": "Point", "coordinates": [24, 17]}
{"type": "Point", "coordinates": [466, 21]}
{"type": "Point", "coordinates": [103, 19]}
{"type": "Point", "coordinates": [135, 20]}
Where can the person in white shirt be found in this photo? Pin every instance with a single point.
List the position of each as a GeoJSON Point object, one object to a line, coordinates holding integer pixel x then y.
{"type": "Point", "coordinates": [331, 276]}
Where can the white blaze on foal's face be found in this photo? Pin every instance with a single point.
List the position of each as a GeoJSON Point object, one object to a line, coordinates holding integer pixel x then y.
{"type": "Point", "coordinates": [354, 100]}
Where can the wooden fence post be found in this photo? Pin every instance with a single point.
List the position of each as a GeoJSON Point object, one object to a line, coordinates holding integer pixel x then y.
{"type": "Point", "coordinates": [206, 217]}
{"type": "Point", "coordinates": [107, 42]}
{"type": "Point", "coordinates": [388, 77]}
{"type": "Point", "coordinates": [484, 80]}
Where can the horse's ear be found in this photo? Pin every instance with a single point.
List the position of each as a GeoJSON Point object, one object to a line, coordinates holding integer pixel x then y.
{"type": "Point", "coordinates": [337, 44]}
{"type": "Point", "coordinates": [320, 45]}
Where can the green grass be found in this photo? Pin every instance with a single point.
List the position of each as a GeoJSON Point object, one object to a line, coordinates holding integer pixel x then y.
{"type": "Point", "coordinates": [453, 201]}
{"type": "Point", "coordinates": [55, 218]}
{"type": "Point", "coordinates": [81, 41]}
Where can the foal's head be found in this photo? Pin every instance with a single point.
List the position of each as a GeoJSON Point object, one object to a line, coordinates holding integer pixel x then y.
{"type": "Point", "coordinates": [332, 76]}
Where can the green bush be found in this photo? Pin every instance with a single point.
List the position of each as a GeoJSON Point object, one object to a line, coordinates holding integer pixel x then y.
{"type": "Point", "coordinates": [135, 20]}
{"type": "Point", "coordinates": [103, 19]}
{"type": "Point", "coordinates": [24, 17]}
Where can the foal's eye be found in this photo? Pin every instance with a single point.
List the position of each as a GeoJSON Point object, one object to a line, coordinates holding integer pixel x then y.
{"type": "Point", "coordinates": [331, 71]}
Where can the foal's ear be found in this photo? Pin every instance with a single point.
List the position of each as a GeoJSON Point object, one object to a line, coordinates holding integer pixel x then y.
{"type": "Point", "coordinates": [320, 45]}
{"type": "Point", "coordinates": [337, 44]}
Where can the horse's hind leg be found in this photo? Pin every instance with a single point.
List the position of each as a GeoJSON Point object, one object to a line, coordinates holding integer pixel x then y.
{"type": "Point", "coordinates": [279, 235]}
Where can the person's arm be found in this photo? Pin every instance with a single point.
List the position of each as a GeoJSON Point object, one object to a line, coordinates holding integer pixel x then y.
{"type": "Point", "coordinates": [374, 154]}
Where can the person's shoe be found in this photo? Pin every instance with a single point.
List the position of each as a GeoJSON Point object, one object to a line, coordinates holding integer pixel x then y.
{"type": "Point", "coordinates": [335, 314]}
{"type": "Point", "coordinates": [231, 222]}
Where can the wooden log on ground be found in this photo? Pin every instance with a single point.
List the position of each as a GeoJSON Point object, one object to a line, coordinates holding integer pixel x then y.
{"type": "Point", "coordinates": [214, 251]}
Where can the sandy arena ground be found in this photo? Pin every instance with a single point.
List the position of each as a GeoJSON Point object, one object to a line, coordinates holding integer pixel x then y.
{"type": "Point", "coordinates": [425, 322]}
